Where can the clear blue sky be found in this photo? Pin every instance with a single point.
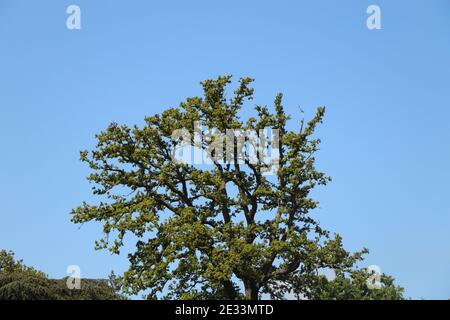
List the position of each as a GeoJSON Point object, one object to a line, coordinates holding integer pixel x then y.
{"type": "Point", "coordinates": [385, 137]}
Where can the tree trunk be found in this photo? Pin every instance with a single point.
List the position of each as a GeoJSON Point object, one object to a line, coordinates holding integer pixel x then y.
{"type": "Point", "coordinates": [230, 290]}
{"type": "Point", "coordinates": [251, 291]}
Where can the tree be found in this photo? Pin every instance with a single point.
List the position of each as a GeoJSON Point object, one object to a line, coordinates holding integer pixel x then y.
{"type": "Point", "coordinates": [353, 286]}
{"type": "Point", "coordinates": [8, 264]}
{"type": "Point", "coordinates": [224, 231]}
{"type": "Point", "coordinates": [20, 282]}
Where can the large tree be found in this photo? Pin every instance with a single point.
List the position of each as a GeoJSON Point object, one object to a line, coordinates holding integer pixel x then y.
{"type": "Point", "coordinates": [227, 230]}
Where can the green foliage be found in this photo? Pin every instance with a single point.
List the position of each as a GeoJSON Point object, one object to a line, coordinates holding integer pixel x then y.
{"type": "Point", "coordinates": [19, 286]}
{"type": "Point", "coordinates": [206, 233]}
{"type": "Point", "coordinates": [19, 282]}
{"type": "Point", "coordinates": [10, 265]}
{"type": "Point", "coordinates": [353, 286]}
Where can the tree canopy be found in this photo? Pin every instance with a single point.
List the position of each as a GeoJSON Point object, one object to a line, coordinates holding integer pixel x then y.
{"type": "Point", "coordinates": [20, 282]}
{"type": "Point", "coordinates": [226, 230]}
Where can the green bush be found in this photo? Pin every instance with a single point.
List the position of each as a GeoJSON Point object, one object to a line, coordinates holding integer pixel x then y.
{"type": "Point", "coordinates": [19, 282]}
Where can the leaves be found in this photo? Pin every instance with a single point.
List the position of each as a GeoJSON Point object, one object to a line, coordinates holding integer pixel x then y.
{"type": "Point", "coordinates": [20, 282]}
{"type": "Point", "coordinates": [201, 231]}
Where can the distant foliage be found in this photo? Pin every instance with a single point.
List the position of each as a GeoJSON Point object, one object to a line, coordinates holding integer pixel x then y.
{"type": "Point", "coordinates": [20, 282]}
{"type": "Point", "coordinates": [353, 286]}
{"type": "Point", "coordinates": [8, 265]}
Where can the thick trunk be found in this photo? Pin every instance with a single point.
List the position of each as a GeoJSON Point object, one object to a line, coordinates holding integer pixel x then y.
{"type": "Point", "coordinates": [251, 291]}
{"type": "Point", "coordinates": [230, 290]}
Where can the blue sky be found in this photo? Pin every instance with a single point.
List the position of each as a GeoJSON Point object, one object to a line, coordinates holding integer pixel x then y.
{"type": "Point", "coordinates": [385, 136]}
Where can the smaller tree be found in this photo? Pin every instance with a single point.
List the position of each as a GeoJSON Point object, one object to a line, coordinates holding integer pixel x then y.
{"type": "Point", "coordinates": [8, 264]}
{"type": "Point", "coordinates": [353, 286]}
{"type": "Point", "coordinates": [20, 282]}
